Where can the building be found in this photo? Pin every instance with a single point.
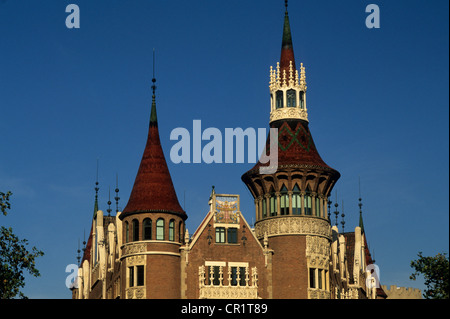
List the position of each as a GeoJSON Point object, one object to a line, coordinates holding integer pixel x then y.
{"type": "Point", "coordinates": [293, 251]}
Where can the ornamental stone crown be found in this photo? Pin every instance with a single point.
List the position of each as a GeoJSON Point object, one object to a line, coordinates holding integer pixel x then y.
{"type": "Point", "coordinates": [288, 93]}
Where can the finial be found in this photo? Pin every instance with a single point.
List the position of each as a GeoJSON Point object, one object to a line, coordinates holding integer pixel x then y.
{"type": "Point", "coordinates": [343, 215]}
{"type": "Point", "coordinates": [117, 193]}
{"type": "Point", "coordinates": [361, 223]}
{"type": "Point", "coordinates": [329, 208]}
{"type": "Point", "coordinates": [109, 202]}
{"type": "Point", "coordinates": [78, 252]}
{"type": "Point", "coordinates": [153, 117]}
{"type": "Point", "coordinates": [336, 212]}
{"type": "Point", "coordinates": [84, 240]}
{"type": "Point", "coordinates": [96, 192]}
{"type": "Point", "coordinates": [154, 79]}
{"type": "Point", "coordinates": [286, 5]}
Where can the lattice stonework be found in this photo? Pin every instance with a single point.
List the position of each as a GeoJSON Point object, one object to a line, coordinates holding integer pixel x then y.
{"type": "Point", "coordinates": [228, 291]}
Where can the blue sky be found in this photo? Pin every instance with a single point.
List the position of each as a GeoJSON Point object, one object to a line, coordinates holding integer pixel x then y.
{"type": "Point", "coordinates": [378, 108]}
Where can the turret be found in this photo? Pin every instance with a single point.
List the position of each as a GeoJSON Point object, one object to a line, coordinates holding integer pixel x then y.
{"type": "Point", "coordinates": [291, 204]}
{"type": "Point", "coordinates": [153, 225]}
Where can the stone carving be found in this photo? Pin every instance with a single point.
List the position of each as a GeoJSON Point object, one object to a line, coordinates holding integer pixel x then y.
{"type": "Point", "coordinates": [318, 294]}
{"type": "Point", "coordinates": [292, 112]}
{"type": "Point", "coordinates": [293, 225]}
{"type": "Point", "coordinates": [134, 248]}
{"type": "Point", "coordinates": [135, 260]}
{"type": "Point", "coordinates": [135, 293]}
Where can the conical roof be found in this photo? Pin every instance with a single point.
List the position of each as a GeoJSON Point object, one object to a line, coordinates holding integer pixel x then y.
{"type": "Point", "coordinates": [287, 48]}
{"type": "Point", "coordinates": [153, 190]}
{"type": "Point", "coordinates": [296, 148]}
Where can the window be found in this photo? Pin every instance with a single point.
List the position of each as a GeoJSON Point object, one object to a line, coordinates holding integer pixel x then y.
{"type": "Point", "coordinates": [302, 100]}
{"type": "Point", "coordinates": [312, 278]}
{"type": "Point", "coordinates": [147, 229]}
{"type": "Point", "coordinates": [238, 276]}
{"type": "Point", "coordinates": [214, 277]}
{"type": "Point", "coordinates": [264, 208]}
{"type": "Point", "coordinates": [291, 98]}
{"type": "Point", "coordinates": [284, 205]}
{"type": "Point", "coordinates": [140, 276]}
{"type": "Point", "coordinates": [273, 205]}
{"type": "Point", "coordinates": [172, 230]}
{"type": "Point", "coordinates": [308, 202]}
{"type": "Point", "coordinates": [220, 235]}
{"type": "Point", "coordinates": [232, 235]}
{"type": "Point", "coordinates": [279, 100]}
{"type": "Point", "coordinates": [136, 276]}
{"type": "Point", "coordinates": [317, 201]}
{"type": "Point", "coordinates": [127, 232]}
{"type": "Point", "coordinates": [296, 201]}
{"type": "Point", "coordinates": [160, 229]}
{"type": "Point", "coordinates": [135, 230]}
{"type": "Point", "coordinates": [130, 276]}
{"type": "Point", "coordinates": [320, 279]}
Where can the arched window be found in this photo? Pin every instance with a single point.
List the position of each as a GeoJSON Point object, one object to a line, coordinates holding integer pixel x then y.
{"type": "Point", "coordinates": [302, 99]}
{"type": "Point", "coordinates": [284, 201]}
{"type": "Point", "coordinates": [160, 229]}
{"type": "Point", "coordinates": [279, 100]}
{"type": "Point", "coordinates": [296, 201]}
{"type": "Point", "coordinates": [127, 232]}
{"type": "Point", "coordinates": [147, 229]}
{"type": "Point", "coordinates": [172, 230]}
{"type": "Point", "coordinates": [308, 201]}
{"type": "Point", "coordinates": [135, 230]}
{"type": "Point", "coordinates": [291, 98]}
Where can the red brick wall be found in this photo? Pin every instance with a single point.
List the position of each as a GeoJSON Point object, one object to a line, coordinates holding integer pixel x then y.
{"type": "Point", "coordinates": [163, 277]}
{"type": "Point", "coordinates": [290, 273]}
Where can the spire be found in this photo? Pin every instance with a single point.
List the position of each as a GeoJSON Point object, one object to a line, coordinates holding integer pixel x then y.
{"type": "Point", "coordinates": [153, 189]}
{"type": "Point", "coordinates": [287, 84]}
{"type": "Point", "coordinates": [287, 48]}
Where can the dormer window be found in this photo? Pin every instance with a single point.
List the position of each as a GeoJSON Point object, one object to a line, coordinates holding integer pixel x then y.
{"type": "Point", "coordinates": [291, 98]}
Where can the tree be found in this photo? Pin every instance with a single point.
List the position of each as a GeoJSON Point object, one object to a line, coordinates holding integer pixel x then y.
{"type": "Point", "coordinates": [14, 258]}
{"type": "Point", "coordinates": [435, 271]}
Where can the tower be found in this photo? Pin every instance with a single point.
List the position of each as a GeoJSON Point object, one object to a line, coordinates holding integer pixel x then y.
{"type": "Point", "coordinates": [291, 204]}
{"type": "Point", "coordinates": [153, 226]}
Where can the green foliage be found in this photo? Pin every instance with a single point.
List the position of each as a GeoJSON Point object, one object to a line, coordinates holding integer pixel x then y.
{"type": "Point", "coordinates": [14, 258]}
{"type": "Point", "coordinates": [436, 273]}
{"type": "Point", "coordinates": [4, 202]}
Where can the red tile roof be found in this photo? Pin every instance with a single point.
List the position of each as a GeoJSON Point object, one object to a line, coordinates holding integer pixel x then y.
{"type": "Point", "coordinates": [295, 147]}
{"type": "Point", "coordinates": [153, 189]}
